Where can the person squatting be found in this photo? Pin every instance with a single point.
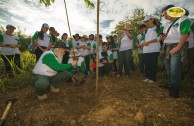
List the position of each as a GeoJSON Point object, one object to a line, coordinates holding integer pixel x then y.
{"type": "Point", "coordinates": [59, 60]}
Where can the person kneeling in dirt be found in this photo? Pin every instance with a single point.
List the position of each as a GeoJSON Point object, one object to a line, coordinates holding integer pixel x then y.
{"type": "Point", "coordinates": [105, 60]}
{"type": "Point", "coordinates": [50, 72]}
{"type": "Point", "coordinates": [78, 71]}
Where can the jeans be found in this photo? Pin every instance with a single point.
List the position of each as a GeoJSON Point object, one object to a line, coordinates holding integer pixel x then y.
{"type": "Point", "coordinates": [42, 83]}
{"type": "Point", "coordinates": [87, 62]}
{"type": "Point", "coordinates": [105, 70]}
{"type": "Point", "coordinates": [174, 70]}
{"type": "Point", "coordinates": [141, 63]}
{"type": "Point", "coordinates": [151, 60]}
{"type": "Point", "coordinates": [125, 58]}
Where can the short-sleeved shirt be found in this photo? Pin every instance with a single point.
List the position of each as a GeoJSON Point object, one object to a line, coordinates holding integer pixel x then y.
{"type": "Point", "coordinates": [9, 39]}
{"type": "Point", "coordinates": [180, 27]}
{"type": "Point", "coordinates": [110, 57]}
{"type": "Point", "coordinates": [126, 43]}
{"type": "Point", "coordinates": [84, 52]}
{"type": "Point", "coordinates": [46, 39]}
{"type": "Point", "coordinates": [150, 35]}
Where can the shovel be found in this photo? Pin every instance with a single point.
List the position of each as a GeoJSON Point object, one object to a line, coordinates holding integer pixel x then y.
{"type": "Point", "coordinates": [5, 113]}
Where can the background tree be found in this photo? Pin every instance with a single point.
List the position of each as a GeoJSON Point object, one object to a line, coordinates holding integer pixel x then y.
{"type": "Point", "coordinates": [49, 2]}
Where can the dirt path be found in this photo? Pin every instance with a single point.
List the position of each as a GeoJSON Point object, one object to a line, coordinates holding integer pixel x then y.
{"type": "Point", "coordinates": [116, 103]}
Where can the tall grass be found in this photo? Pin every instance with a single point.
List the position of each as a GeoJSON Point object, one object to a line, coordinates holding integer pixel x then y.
{"type": "Point", "coordinates": [21, 76]}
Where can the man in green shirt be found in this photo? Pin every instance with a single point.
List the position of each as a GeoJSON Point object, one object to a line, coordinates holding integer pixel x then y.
{"type": "Point", "coordinates": [50, 73]}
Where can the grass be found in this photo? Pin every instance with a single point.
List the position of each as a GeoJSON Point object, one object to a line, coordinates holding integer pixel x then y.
{"type": "Point", "coordinates": [27, 62]}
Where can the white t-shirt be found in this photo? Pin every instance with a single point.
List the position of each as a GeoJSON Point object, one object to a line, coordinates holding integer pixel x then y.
{"type": "Point", "coordinates": [126, 43]}
{"type": "Point", "coordinates": [9, 39]}
{"type": "Point", "coordinates": [152, 47]}
{"type": "Point", "coordinates": [92, 42]}
{"type": "Point", "coordinates": [174, 34]}
{"type": "Point", "coordinates": [83, 52]}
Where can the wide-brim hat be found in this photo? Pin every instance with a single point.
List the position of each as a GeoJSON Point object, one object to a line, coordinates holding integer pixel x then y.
{"type": "Point", "coordinates": [61, 45]}
{"type": "Point", "coordinates": [76, 35]}
{"type": "Point", "coordinates": [10, 26]}
{"type": "Point", "coordinates": [74, 53]}
{"type": "Point", "coordinates": [128, 27]}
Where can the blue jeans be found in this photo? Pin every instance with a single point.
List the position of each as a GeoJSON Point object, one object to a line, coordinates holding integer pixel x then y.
{"type": "Point", "coordinates": [125, 58]}
{"type": "Point", "coordinates": [174, 69]}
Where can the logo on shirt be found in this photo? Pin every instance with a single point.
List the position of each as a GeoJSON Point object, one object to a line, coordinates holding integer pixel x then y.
{"type": "Point", "coordinates": [176, 25]}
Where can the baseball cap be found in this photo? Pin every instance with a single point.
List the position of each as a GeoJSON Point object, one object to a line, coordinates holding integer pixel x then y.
{"type": "Point", "coordinates": [10, 26]}
{"type": "Point", "coordinates": [45, 25]}
{"type": "Point", "coordinates": [148, 18]}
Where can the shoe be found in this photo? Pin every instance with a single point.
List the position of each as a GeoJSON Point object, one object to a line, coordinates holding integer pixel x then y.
{"type": "Point", "coordinates": [150, 81]}
{"type": "Point", "coordinates": [174, 93]}
{"type": "Point", "coordinates": [118, 76]}
{"type": "Point", "coordinates": [146, 80]}
{"type": "Point", "coordinates": [54, 90]}
{"type": "Point", "coordinates": [42, 97]}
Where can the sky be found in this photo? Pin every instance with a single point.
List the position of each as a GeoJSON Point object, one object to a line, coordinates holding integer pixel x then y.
{"type": "Point", "coordinates": [29, 15]}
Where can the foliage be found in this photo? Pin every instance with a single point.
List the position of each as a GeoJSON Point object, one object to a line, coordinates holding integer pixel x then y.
{"type": "Point", "coordinates": [135, 19]}
{"type": "Point", "coordinates": [21, 76]}
{"type": "Point", "coordinates": [49, 2]}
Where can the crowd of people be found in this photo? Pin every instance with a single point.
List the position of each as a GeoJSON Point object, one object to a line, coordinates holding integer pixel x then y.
{"type": "Point", "coordinates": [62, 59]}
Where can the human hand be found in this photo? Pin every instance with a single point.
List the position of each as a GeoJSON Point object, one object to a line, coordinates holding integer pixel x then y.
{"type": "Point", "coordinates": [174, 50]}
{"type": "Point", "coordinates": [146, 43]}
{"type": "Point", "coordinates": [13, 45]}
{"type": "Point", "coordinates": [74, 63]}
{"type": "Point", "coordinates": [163, 36]}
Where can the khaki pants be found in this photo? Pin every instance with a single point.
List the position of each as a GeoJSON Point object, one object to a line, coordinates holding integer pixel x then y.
{"type": "Point", "coordinates": [43, 83]}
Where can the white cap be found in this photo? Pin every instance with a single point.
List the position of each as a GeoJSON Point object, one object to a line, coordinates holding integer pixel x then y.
{"type": "Point", "coordinates": [45, 25]}
{"type": "Point", "coordinates": [148, 18]}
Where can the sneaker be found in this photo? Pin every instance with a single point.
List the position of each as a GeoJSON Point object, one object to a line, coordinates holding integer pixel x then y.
{"type": "Point", "coordinates": [150, 81]}
{"type": "Point", "coordinates": [146, 80]}
{"type": "Point", "coordinates": [42, 97]}
{"type": "Point", "coordinates": [54, 90]}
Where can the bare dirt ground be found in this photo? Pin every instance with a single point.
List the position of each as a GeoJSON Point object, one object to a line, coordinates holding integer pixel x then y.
{"type": "Point", "coordinates": [117, 102]}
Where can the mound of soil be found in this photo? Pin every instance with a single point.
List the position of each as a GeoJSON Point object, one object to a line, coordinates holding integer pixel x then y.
{"type": "Point", "coordinates": [127, 101]}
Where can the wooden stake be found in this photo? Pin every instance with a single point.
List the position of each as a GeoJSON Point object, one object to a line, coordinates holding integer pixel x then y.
{"type": "Point", "coordinates": [97, 44]}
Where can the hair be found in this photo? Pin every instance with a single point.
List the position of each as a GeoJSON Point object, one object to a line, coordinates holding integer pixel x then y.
{"type": "Point", "coordinates": [104, 43]}
{"type": "Point", "coordinates": [115, 36]}
{"type": "Point", "coordinates": [41, 34]}
{"type": "Point", "coordinates": [51, 29]}
{"type": "Point", "coordinates": [167, 7]}
{"type": "Point", "coordinates": [112, 42]}
{"type": "Point", "coordinates": [63, 35]}
{"type": "Point", "coordinates": [186, 12]}
{"type": "Point", "coordinates": [141, 26]}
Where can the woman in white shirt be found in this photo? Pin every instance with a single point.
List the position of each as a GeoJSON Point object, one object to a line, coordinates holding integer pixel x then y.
{"type": "Point", "coordinates": [125, 50]}
{"type": "Point", "coordinates": [151, 49]}
{"type": "Point", "coordinates": [42, 40]}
